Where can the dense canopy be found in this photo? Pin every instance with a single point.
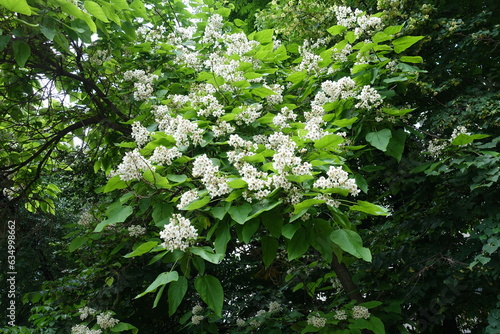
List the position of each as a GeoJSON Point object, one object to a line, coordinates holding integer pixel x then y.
{"type": "Point", "coordinates": [249, 166]}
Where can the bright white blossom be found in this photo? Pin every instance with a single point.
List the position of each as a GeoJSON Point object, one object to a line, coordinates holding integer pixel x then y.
{"type": "Point", "coordinates": [186, 198]}
{"type": "Point", "coordinates": [140, 134]}
{"type": "Point", "coordinates": [337, 178]}
{"type": "Point", "coordinates": [133, 165]}
{"type": "Point", "coordinates": [178, 234]}
{"type": "Point", "coordinates": [165, 156]}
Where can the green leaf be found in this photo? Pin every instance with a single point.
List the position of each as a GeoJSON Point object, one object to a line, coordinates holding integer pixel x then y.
{"type": "Point", "coordinates": [141, 249]}
{"type": "Point", "coordinates": [288, 231]}
{"type": "Point", "coordinates": [464, 139]}
{"type": "Point", "coordinates": [211, 292]}
{"type": "Point", "coordinates": [350, 242]}
{"type": "Point", "coordinates": [114, 183]}
{"type": "Point", "coordinates": [249, 229]}
{"type": "Point", "coordinates": [95, 10]}
{"type": "Point", "coordinates": [48, 32]}
{"type": "Point", "coordinates": [237, 184]}
{"type": "Point", "coordinates": [207, 254]}
{"type": "Point", "coordinates": [77, 243]}
{"type": "Point", "coordinates": [370, 208]}
{"type": "Point", "coordinates": [373, 323]}
{"type": "Point", "coordinates": [381, 37]}
{"type": "Point", "coordinates": [393, 30]}
{"type": "Point", "coordinates": [397, 144]}
{"type": "Point", "coordinates": [379, 139]}
{"type": "Point", "coordinates": [18, 6]}
{"type": "Point", "coordinates": [412, 59]}
{"type": "Point", "coordinates": [22, 52]}
{"type": "Point", "coordinates": [329, 141]}
{"type": "Point", "coordinates": [197, 204]}
{"type": "Point", "coordinates": [264, 36]}
{"type": "Point", "coordinates": [262, 92]}
{"type": "Point", "coordinates": [336, 30]}
{"type": "Point", "coordinates": [405, 42]}
{"type": "Point", "coordinates": [161, 280]}
{"type": "Point", "coordinates": [397, 112]}
{"type": "Point", "coordinates": [240, 213]}
{"type": "Point", "coordinates": [269, 249]}
{"type": "Point", "coordinates": [222, 237]}
{"type": "Point", "coordinates": [298, 245]}
{"type": "Point", "coordinates": [306, 204]}
{"type": "Point", "coordinates": [273, 221]}
{"type": "Point", "coordinates": [116, 215]}
{"type": "Point", "coordinates": [176, 292]}
{"type": "Point", "coordinates": [296, 77]}
{"type": "Point", "coordinates": [123, 326]}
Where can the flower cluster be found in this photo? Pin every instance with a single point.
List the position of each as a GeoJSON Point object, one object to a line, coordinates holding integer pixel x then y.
{"type": "Point", "coordinates": [186, 198]}
{"type": "Point", "coordinates": [132, 165]}
{"type": "Point", "coordinates": [178, 234]}
{"type": "Point", "coordinates": [360, 312]}
{"type": "Point", "coordinates": [136, 230]}
{"type": "Point", "coordinates": [82, 329]}
{"type": "Point", "coordinates": [240, 322]}
{"type": "Point", "coordinates": [436, 147]}
{"type": "Point", "coordinates": [143, 85]}
{"type": "Point", "coordinates": [100, 56]}
{"type": "Point", "coordinates": [368, 98]}
{"type": "Point", "coordinates": [274, 307]}
{"type": "Point", "coordinates": [105, 320]}
{"type": "Point", "coordinates": [459, 130]}
{"type": "Point", "coordinates": [86, 218]}
{"type": "Point", "coordinates": [86, 311]}
{"type": "Point", "coordinates": [140, 134]}
{"type": "Point", "coordinates": [197, 319]}
{"type": "Point", "coordinates": [316, 321]}
{"type": "Point", "coordinates": [165, 156]}
{"type": "Point", "coordinates": [356, 19]}
{"type": "Point", "coordinates": [337, 178]}
{"type": "Point", "coordinates": [340, 315]}
{"type": "Point", "coordinates": [215, 184]}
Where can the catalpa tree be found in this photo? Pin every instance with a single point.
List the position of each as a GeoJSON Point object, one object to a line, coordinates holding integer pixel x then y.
{"type": "Point", "coordinates": [235, 139]}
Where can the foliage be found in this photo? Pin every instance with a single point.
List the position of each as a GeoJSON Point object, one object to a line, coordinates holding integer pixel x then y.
{"type": "Point", "coordinates": [277, 155]}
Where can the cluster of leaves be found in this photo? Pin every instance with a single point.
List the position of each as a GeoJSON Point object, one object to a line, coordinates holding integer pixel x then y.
{"type": "Point", "coordinates": [443, 227]}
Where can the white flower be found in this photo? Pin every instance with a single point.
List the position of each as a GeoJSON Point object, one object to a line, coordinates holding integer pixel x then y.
{"type": "Point", "coordinates": [369, 98]}
{"type": "Point", "coordinates": [197, 319]}
{"type": "Point", "coordinates": [337, 178]}
{"type": "Point", "coordinates": [132, 165]}
{"type": "Point", "coordinates": [85, 312]}
{"type": "Point", "coordinates": [82, 329]}
{"type": "Point", "coordinates": [140, 134]}
{"type": "Point", "coordinates": [240, 322]}
{"type": "Point", "coordinates": [360, 312]}
{"type": "Point", "coordinates": [186, 198]}
{"type": "Point", "coordinates": [86, 218]}
{"type": "Point", "coordinates": [136, 230]}
{"type": "Point", "coordinates": [317, 322]}
{"type": "Point", "coordinates": [340, 315]}
{"type": "Point", "coordinates": [165, 156]}
{"type": "Point", "coordinates": [178, 234]}
{"type": "Point", "coordinates": [274, 307]}
{"type": "Point", "coordinates": [197, 309]}
{"type": "Point", "coordinates": [106, 321]}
